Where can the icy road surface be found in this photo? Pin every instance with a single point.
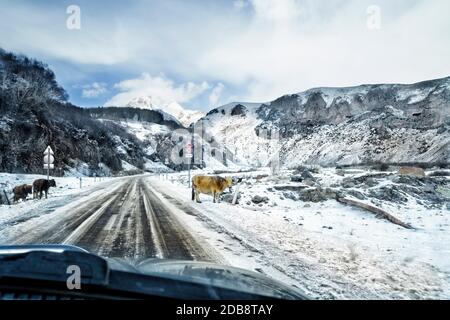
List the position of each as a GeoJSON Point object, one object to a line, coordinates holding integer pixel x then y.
{"type": "Point", "coordinates": [148, 216]}
{"type": "Point", "coordinates": [118, 218]}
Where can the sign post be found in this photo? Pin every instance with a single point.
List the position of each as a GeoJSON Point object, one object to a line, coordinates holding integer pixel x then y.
{"type": "Point", "coordinates": [49, 159]}
{"type": "Point", "coordinates": [189, 157]}
{"type": "Point", "coordinates": [166, 162]}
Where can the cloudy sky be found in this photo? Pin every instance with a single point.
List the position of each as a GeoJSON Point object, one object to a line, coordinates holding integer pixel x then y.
{"type": "Point", "coordinates": [207, 53]}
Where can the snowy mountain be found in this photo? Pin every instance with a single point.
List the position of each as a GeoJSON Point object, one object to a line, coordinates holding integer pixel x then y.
{"type": "Point", "coordinates": [388, 123]}
{"type": "Point", "coordinates": [185, 116]}
{"type": "Point", "coordinates": [41, 115]}
{"type": "Point", "coordinates": [172, 110]}
{"type": "Point", "coordinates": [341, 126]}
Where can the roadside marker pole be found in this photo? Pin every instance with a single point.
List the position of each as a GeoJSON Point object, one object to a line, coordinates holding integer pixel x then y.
{"type": "Point", "coordinates": [48, 166]}
{"type": "Point", "coordinates": [189, 157]}
{"type": "Point", "coordinates": [236, 194]}
{"type": "Point", "coordinates": [6, 197]}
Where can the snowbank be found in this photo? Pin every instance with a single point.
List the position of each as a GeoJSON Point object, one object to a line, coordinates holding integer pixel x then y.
{"type": "Point", "coordinates": [327, 249]}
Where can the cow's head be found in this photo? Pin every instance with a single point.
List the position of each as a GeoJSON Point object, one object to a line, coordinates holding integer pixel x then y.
{"type": "Point", "coordinates": [236, 180]}
{"type": "Point", "coordinates": [52, 183]}
{"type": "Point", "coordinates": [229, 181]}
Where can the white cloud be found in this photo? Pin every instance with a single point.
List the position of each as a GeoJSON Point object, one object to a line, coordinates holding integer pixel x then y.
{"type": "Point", "coordinates": [240, 4]}
{"type": "Point", "coordinates": [215, 95]}
{"type": "Point", "coordinates": [329, 44]}
{"type": "Point", "coordinates": [259, 49]}
{"type": "Point", "coordinates": [277, 9]}
{"type": "Point", "coordinates": [161, 89]}
{"type": "Point", "coordinates": [94, 90]}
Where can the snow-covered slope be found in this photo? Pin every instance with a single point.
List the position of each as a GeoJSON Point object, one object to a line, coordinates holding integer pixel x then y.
{"type": "Point", "coordinates": [184, 116]}
{"type": "Point", "coordinates": [154, 138]}
{"type": "Point", "coordinates": [233, 127]}
{"type": "Point", "coordinates": [41, 116]}
{"type": "Point", "coordinates": [172, 110]}
{"type": "Point", "coordinates": [341, 126]}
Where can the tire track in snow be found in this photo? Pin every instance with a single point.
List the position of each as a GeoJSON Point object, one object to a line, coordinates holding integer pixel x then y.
{"type": "Point", "coordinates": [127, 220]}
{"type": "Point", "coordinates": [178, 242]}
{"type": "Point", "coordinates": [53, 225]}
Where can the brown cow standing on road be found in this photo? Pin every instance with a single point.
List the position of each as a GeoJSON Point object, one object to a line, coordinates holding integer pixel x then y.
{"type": "Point", "coordinates": [22, 191]}
{"type": "Point", "coordinates": [42, 185]}
{"type": "Point", "coordinates": [214, 185]}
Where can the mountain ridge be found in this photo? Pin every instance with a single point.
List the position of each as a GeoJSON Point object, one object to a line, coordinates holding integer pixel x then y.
{"type": "Point", "coordinates": [374, 121]}
{"type": "Point", "coordinates": [389, 123]}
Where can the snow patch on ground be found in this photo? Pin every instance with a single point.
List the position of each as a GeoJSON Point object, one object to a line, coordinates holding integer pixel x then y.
{"type": "Point", "coordinates": [327, 249]}
{"type": "Point", "coordinates": [144, 131]}
{"type": "Point", "coordinates": [65, 187]}
{"type": "Point", "coordinates": [156, 167]}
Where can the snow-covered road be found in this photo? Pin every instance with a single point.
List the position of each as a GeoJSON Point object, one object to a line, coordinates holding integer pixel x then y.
{"type": "Point", "coordinates": [148, 216]}
{"type": "Point", "coordinates": [117, 218]}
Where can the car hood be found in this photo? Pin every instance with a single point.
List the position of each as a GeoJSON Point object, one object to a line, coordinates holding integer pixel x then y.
{"type": "Point", "coordinates": [210, 274]}
{"type": "Point", "coordinates": [49, 263]}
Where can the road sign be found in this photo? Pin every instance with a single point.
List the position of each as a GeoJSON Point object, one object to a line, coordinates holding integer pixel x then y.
{"type": "Point", "coordinates": [189, 150]}
{"type": "Point", "coordinates": [48, 151]}
{"type": "Point", "coordinates": [49, 159]}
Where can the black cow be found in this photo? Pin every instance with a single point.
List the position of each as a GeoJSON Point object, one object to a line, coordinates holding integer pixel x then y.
{"type": "Point", "coordinates": [21, 192]}
{"type": "Point", "coordinates": [42, 185]}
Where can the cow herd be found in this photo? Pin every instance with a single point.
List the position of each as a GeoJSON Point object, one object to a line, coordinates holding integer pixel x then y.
{"type": "Point", "coordinates": [213, 185]}
{"type": "Point", "coordinates": [38, 189]}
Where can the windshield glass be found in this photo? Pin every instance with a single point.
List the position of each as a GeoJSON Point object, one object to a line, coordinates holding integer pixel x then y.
{"type": "Point", "coordinates": [307, 144]}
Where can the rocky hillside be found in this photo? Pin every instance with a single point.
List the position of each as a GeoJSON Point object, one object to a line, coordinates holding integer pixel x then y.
{"type": "Point", "coordinates": [34, 113]}
{"type": "Point", "coordinates": [342, 126]}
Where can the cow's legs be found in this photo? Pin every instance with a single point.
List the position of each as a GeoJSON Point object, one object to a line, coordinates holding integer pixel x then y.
{"type": "Point", "coordinates": [197, 196]}
{"type": "Point", "coordinates": [46, 192]}
{"type": "Point", "coordinates": [214, 197]}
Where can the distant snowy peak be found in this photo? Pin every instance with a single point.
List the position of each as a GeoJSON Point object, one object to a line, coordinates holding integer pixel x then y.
{"type": "Point", "coordinates": [143, 103]}
{"type": "Point", "coordinates": [172, 111]}
{"type": "Point", "coordinates": [185, 116]}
